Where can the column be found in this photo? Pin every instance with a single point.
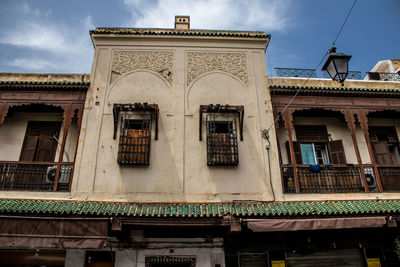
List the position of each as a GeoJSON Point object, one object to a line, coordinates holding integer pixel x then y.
{"type": "Point", "coordinates": [362, 115]}
{"type": "Point", "coordinates": [287, 118]}
{"type": "Point", "coordinates": [349, 116]}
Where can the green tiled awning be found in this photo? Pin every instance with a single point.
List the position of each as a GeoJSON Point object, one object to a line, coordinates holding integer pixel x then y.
{"type": "Point", "coordinates": [309, 89]}
{"type": "Point", "coordinates": [191, 210]}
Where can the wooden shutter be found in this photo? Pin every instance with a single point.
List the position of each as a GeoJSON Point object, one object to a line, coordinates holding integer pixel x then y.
{"type": "Point", "coordinates": [46, 149]}
{"type": "Point", "coordinates": [29, 148]}
{"type": "Point", "coordinates": [39, 143]}
{"type": "Point", "coordinates": [381, 153]}
{"type": "Point", "coordinates": [336, 152]}
{"type": "Point", "coordinates": [297, 152]}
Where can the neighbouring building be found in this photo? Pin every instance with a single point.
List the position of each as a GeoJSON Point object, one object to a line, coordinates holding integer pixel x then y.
{"type": "Point", "coordinates": [178, 150]}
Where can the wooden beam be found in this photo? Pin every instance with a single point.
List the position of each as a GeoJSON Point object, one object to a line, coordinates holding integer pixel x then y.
{"type": "Point", "coordinates": [362, 116]}
{"type": "Point", "coordinates": [287, 117]}
{"type": "Point", "coordinates": [349, 116]}
{"type": "Point", "coordinates": [68, 113]}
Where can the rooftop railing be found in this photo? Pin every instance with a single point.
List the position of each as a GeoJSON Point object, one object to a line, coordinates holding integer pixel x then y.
{"type": "Point", "coordinates": [354, 75]}
{"type": "Point", "coordinates": [384, 76]}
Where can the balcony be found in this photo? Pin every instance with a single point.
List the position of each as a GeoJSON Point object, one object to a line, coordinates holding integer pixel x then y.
{"type": "Point", "coordinates": [35, 176]}
{"type": "Point", "coordinates": [340, 179]}
{"type": "Point", "coordinates": [390, 177]}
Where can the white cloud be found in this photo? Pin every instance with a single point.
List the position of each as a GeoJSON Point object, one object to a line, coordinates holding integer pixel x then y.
{"type": "Point", "coordinates": [61, 46]}
{"type": "Point", "coordinates": [271, 15]}
{"type": "Point", "coordinates": [35, 64]}
{"type": "Point", "coordinates": [36, 36]}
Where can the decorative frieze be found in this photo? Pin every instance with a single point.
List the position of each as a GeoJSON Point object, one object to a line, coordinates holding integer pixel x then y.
{"type": "Point", "coordinates": [199, 63]}
{"type": "Point", "coordinates": [157, 61]}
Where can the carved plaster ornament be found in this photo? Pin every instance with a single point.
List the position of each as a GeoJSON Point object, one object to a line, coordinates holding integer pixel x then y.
{"type": "Point", "coordinates": [157, 61]}
{"type": "Point", "coordinates": [199, 63]}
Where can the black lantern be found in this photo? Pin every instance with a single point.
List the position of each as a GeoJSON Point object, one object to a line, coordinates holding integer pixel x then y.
{"type": "Point", "coordinates": [337, 65]}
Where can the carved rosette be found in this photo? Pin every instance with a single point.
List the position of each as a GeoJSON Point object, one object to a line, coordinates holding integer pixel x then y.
{"type": "Point", "coordinates": [199, 63]}
{"type": "Point", "coordinates": [157, 61]}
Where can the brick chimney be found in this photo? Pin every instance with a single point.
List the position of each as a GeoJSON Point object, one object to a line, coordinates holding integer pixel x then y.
{"type": "Point", "coordinates": [182, 22]}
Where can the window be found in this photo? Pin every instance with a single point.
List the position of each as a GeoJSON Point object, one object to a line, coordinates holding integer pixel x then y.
{"type": "Point", "coordinates": [313, 146]}
{"type": "Point", "coordinates": [40, 143]}
{"type": "Point", "coordinates": [385, 144]}
{"type": "Point", "coordinates": [134, 141]}
{"type": "Point", "coordinates": [314, 153]}
{"type": "Point", "coordinates": [222, 145]}
{"type": "Point", "coordinates": [222, 131]}
{"type": "Point", "coordinates": [135, 132]}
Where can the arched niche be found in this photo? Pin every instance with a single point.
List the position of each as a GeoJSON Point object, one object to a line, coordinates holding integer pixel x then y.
{"type": "Point", "coordinates": [216, 88]}
{"type": "Point", "coordinates": [140, 87]}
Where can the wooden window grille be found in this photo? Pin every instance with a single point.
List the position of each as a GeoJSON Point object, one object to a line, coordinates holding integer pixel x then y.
{"type": "Point", "coordinates": [311, 133]}
{"type": "Point", "coordinates": [135, 131]}
{"type": "Point", "coordinates": [222, 144]}
{"type": "Point", "coordinates": [134, 142]}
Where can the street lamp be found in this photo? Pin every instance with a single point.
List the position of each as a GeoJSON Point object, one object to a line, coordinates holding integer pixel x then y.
{"type": "Point", "coordinates": [337, 65]}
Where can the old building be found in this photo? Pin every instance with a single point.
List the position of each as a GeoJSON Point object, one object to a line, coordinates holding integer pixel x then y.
{"type": "Point", "coordinates": [182, 152]}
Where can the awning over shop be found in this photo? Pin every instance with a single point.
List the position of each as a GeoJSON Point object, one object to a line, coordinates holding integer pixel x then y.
{"type": "Point", "coordinates": [28, 232]}
{"type": "Point", "coordinates": [274, 225]}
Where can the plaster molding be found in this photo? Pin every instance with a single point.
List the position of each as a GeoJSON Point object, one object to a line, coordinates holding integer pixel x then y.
{"type": "Point", "coordinates": [201, 62]}
{"type": "Point", "coordinates": [128, 61]}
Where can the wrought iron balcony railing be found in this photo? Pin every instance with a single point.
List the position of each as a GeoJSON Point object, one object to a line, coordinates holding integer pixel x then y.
{"type": "Point", "coordinates": [311, 73]}
{"type": "Point", "coordinates": [338, 179]}
{"type": "Point", "coordinates": [34, 176]}
{"type": "Point", "coordinates": [384, 76]}
{"type": "Point", "coordinates": [390, 177]}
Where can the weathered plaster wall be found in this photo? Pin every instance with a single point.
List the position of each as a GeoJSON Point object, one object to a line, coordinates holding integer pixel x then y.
{"type": "Point", "coordinates": [179, 77]}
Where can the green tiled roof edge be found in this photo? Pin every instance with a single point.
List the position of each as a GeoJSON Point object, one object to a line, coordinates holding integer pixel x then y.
{"type": "Point", "coordinates": [238, 208]}
{"type": "Point", "coordinates": [134, 31]}
{"type": "Point", "coordinates": [42, 83]}
{"type": "Point", "coordinates": [334, 88]}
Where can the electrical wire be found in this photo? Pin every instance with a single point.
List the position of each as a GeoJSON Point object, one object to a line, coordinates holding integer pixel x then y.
{"type": "Point", "coordinates": [341, 28]}
{"type": "Point", "coordinates": [309, 76]}
{"type": "Point", "coordinates": [297, 92]}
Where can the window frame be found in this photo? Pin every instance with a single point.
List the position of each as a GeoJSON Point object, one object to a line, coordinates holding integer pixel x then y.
{"type": "Point", "coordinates": [134, 139]}
{"type": "Point", "coordinates": [333, 152]}
{"type": "Point", "coordinates": [227, 142]}
{"type": "Point", "coordinates": [134, 144]}
{"type": "Point", "coordinates": [222, 146]}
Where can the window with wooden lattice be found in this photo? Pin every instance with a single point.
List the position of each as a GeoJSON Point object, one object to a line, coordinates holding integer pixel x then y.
{"type": "Point", "coordinates": [314, 147]}
{"type": "Point", "coordinates": [135, 131]}
{"type": "Point", "coordinates": [134, 140]}
{"type": "Point", "coordinates": [223, 123]}
{"type": "Point", "coordinates": [222, 144]}
{"type": "Point", "coordinates": [385, 144]}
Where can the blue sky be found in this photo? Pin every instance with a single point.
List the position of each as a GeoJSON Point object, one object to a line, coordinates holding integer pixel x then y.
{"type": "Point", "coordinates": [53, 35]}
